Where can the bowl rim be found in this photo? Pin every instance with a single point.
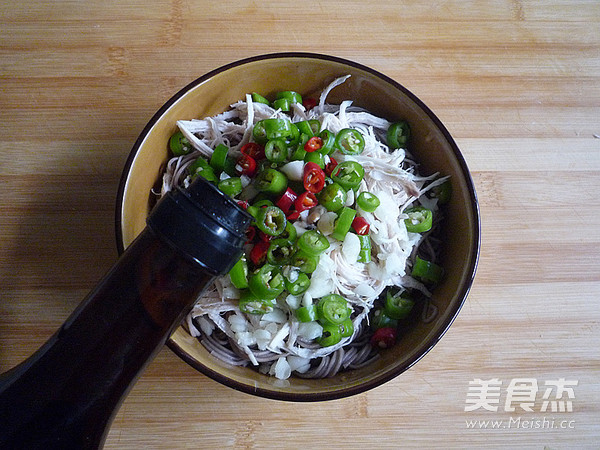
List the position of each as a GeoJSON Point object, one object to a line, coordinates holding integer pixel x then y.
{"type": "Point", "coordinates": [454, 310]}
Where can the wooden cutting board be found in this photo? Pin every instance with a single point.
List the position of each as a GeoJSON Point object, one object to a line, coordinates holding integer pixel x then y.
{"type": "Point", "coordinates": [516, 82]}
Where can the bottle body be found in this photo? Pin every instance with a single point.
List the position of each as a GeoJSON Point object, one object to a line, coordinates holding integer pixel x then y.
{"type": "Point", "coordinates": [67, 393]}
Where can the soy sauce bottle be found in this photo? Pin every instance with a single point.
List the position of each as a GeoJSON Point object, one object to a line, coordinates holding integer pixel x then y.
{"type": "Point", "coordinates": [66, 394]}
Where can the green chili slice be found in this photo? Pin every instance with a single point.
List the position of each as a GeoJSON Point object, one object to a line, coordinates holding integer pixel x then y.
{"type": "Point", "coordinates": [348, 174]}
{"type": "Point", "coordinates": [305, 128]}
{"type": "Point", "coordinates": [350, 141]}
{"type": "Point", "coordinates": [251, 304]}
{"type": "Point", "coordinates": [419, 219]}
{"type": "Point", "coordinates": [364, 256]}
{"type": "Point", "coordinates": [197, 165]}
{"type": "Point", "coordinates": [328, 142]}
{"type": "Point", "coordinates": [294, 137]}
{"type": "Point", "coordinates": [276, 150]}
{"type": "Point", "coordinates": [277, 128]}
{"type": "Point", "coordinates": [398, 306]}
{"type": "Point", "coordinates": [179, 144]}
{"type": "Point", "coordinates": [265, 164]}
{"type": "Point", "coordinates": [280, 252]}
{"type": "Point", "coordinates": [442, 192]}
{"type": "Point", "coordinates": [346, 328]}
{"type": "Point", "coordinates": [299, 153]}
{"type": "Point", "coordinates": [229, 166]}
{"type": "Point", "coordinates": [306, 313]}
{"type": "Point", "coordinates": [282, 104]}
{"type": "Point", "coordinates": [316, 158]}
{"type": "Point", "coordinates": [367, 202]}
{"type": "Point", "coordinates": [382, 320]}
{"type": "Point", "coordinates": [312, 242]}
{"type": "Point", "coordinates": [343, 223]}
{"type": "Point", "coordinates": [239, 274]}
{"type": "Point", "coordinates": [309, 127]}
{"type": "Point", "coordinates": [427, 271]}
{"type": "Point", "coordinates": [290, 233]}
{"type": "Point", "coordinates": [231, 186]}
{"type": "Point", "coordinates": [398, 134]}
{"type": "Point", "coordinates": [259, 133]}
{"type": "Point", "coordinates": [267, 282]}
{"type": "Point", "coordinates": [271, 181]}
{"type": "Point", "coordinates": [299, 285]}
{"type": "Point", "coordinates": [263, 202]}
{"type": "Point", "coordinates": [252, 210]}
{"type": "Point", "coordinates": [271, 220]}
{"type": "Point", "coordinates": [333, 197]}
{"type": "Point", "coordinates": [201, 168]}
{"type": "Point", "coordinates": [331, 335]}
{"type": "Point", "coordinates": [291, 96]}
{"type": "Point", "coordinates": [304, 262]}
{"type": "Point", "coordinates": [219, 157]}
{"type": "Point", "coordinates": [333, 308]}
{"type": "Point", "coordinates": [257, 98]}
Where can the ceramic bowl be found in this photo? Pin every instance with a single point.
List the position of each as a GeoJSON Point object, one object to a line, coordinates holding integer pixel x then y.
{"type": "Point", "coordinates": [431, 145]}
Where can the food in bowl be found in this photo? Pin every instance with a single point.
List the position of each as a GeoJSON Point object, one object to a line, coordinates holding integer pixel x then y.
{"type": "Point", "coordinates": [343, 253]}
{"type": "Point", "coordinates": [432, 146]}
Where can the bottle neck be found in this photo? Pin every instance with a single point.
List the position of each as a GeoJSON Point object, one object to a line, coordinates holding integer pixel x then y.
{"type": "Point", "coordinates": [67, 393]}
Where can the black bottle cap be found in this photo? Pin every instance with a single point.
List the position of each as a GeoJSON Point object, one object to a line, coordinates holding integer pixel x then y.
{"type": "Point", "coordinates": [202, 223]}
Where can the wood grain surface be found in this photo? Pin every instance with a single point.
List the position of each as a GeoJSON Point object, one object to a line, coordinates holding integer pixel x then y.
{"type": "Point", "coordinates": [516, 82]}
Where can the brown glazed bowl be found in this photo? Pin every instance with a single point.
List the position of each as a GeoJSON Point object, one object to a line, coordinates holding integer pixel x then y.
{"type": "Point", "coordinates": [431, 145]}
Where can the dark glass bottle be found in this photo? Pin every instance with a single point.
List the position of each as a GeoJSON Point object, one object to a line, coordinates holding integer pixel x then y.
{"type": "Point", "coordinates": [67, 393]}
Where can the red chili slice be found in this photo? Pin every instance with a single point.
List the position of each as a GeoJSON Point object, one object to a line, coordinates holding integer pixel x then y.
{"type": "Point", "coordinates": [384, 337]}
{"type": "Point", "coordinates": [331, 165]}
{"type": "Point", "coordinates": [258, 254]}
{"type": "Point", "coordinates": [313, 144]}
{"type": "Point", "coordinates": [360, 225]}
{"type": "Point", "coordinates": [286, 200]}
{"type": "Point", "coordinates": [254, 150]}
{"type": "Point", "coordinates": [242, 204]}
{"type": "Point", "coordinates": [314, 177]}
{"type": "Point", "coordinates": [305, 201]}
{"type": "Point", "coordinates": [246, 165]}
{"type": "Point", "coordinates": [294, 215]}
{"type": "Point", "coordinates": [250, 234]}
{"type": "Point", "coordinates": [309, 103]}
{"type": "Point", "coordinates": [264, 236]}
